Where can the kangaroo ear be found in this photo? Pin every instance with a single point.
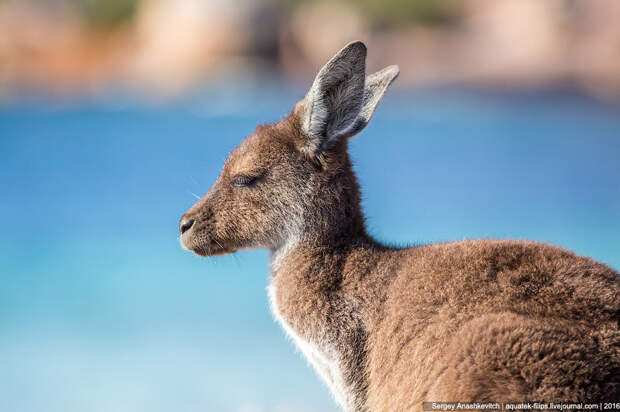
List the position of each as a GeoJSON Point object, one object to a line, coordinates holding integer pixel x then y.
{"type": "Point", "coordinates": [375, 88]}
{"type": "Point", "coordinates": [342, 99]}
{"type": "Point", "coordinates": [333, 103]}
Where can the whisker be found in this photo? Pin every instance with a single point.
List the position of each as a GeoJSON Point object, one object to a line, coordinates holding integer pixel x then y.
{"type": "Point", "coordinates": [195, 195]}
{"type": "Point", "coordinates": [236, 259]}
{"type": "Point", "coordinates": [234, 255]}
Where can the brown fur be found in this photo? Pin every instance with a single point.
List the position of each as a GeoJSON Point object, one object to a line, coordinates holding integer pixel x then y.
{"type": "Point", "coordinates": [388, 328]}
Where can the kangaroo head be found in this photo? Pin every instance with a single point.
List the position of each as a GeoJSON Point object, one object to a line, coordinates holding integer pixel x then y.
{"type": "Point", "coordinates": [293, 179]}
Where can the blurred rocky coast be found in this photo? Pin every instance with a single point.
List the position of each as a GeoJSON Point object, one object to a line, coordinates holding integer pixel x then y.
{"type": "Point", "coordinates": [164, 48]}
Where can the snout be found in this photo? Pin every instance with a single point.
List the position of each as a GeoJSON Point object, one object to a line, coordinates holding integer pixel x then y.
{"type": "Point", "coordinates": [190, 232]}
{"type": "Point", "coordinates": [197, 228]}
{"type": "Point", "coordinates": [186, 224]}
{"type": "Point", "coordinates": [185, 227]}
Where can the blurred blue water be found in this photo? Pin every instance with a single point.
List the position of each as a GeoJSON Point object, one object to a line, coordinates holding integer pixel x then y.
{"type": "Point", "coordinates": [101, 310]}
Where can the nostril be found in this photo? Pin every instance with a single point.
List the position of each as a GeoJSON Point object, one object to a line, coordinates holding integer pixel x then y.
{"type": "Point", "coordinates": [186, 224]}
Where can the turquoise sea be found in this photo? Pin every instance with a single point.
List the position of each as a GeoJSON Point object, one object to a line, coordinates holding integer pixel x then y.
{"type": "Point", "coordinates": [101, 309]}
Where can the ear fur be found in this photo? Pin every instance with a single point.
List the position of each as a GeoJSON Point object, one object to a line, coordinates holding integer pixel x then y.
{"type": "Point", "coordinates": [374, 89]}
{"type": "Point", "coordinates": [342, 100]}
{"type": "Point", "coordinates": [336, 96]}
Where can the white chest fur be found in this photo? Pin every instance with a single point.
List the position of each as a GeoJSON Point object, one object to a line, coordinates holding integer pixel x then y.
{"type": "Point", "coordinates": [319, 353]}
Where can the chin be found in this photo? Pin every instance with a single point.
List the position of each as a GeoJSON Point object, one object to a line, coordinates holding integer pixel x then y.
{"type": "Point", "coordinates": [211, 251]}
{"type": "Point", "coordinates": [206, 250]}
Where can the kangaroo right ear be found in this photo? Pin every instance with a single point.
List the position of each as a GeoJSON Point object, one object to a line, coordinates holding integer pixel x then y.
{"type": "Point", "coordinates": [333, 103]}
{"type": "Point", "coordinates": [374, 89]}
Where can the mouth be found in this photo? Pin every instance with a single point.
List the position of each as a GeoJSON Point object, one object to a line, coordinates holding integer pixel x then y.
{"type": "Point", "coordinates": [203, 247]}
{"type": "Point", "coordinates": [210, 250]}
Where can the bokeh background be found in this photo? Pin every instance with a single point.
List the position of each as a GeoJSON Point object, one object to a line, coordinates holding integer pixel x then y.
{"type": "Point", "coordinates": [116, 114]}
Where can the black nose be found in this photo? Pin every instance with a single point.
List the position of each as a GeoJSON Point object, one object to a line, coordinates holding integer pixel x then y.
{"type": "Point", "coordinates": [186, 224]}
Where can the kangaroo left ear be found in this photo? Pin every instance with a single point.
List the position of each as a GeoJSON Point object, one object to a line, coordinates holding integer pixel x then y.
{"type": "Point", "coordinates": [331, 107]}
{"type": "Point", "coordinates": [342, 100]}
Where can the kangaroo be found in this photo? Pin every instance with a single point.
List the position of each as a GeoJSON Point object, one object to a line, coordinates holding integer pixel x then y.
{"type": "Point", "coordinates": [390, 328]}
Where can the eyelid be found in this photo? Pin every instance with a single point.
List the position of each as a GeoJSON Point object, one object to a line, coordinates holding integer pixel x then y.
{"type": "Point", "coordinates": [244, 180]}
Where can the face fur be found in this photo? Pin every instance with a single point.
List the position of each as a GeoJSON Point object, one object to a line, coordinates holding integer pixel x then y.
{"type": "Point", "coordinates": [255, 202]}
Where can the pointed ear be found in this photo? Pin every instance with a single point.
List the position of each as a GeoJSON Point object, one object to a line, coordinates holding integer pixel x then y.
{"type": "Point", "coordinates": [333, 103]}
{"type": "Point", "coordinates": [342, 99]}
{"type": "Point", "coordinates": [375, 88]}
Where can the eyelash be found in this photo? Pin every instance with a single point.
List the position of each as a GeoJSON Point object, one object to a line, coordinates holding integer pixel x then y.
{"type": "Point", "coordinates": [244, 181]}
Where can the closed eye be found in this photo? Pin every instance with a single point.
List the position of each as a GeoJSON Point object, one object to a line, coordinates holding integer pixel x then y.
{"type": "Point", "coordinates": [244, 180]}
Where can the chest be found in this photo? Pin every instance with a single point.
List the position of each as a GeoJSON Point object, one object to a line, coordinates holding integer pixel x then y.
{"type": "Point", "coordinates": [316, 346]}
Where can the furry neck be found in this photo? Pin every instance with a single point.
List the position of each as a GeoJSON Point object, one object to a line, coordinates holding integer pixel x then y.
{"type": "Point", "coordinates": [317, 245]}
